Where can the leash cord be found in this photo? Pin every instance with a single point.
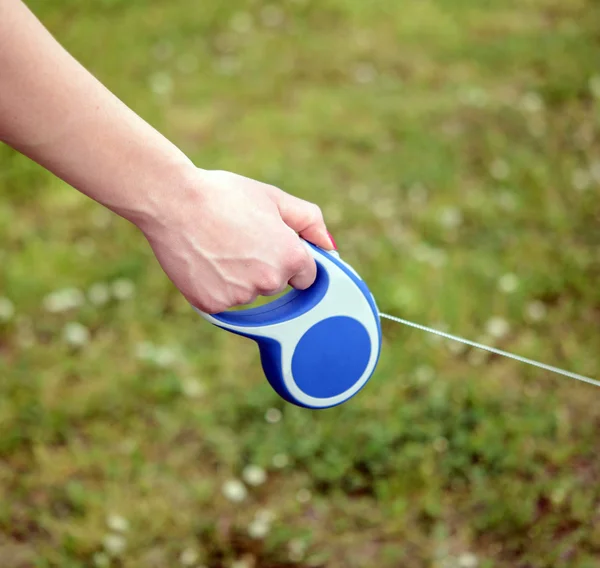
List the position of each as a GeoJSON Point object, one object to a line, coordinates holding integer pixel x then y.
{"type": "Point", "coordinates": [493, 350]}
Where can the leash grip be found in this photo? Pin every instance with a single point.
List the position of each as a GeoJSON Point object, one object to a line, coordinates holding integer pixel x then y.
{"type": "Point", "coordinates": [318, 346]}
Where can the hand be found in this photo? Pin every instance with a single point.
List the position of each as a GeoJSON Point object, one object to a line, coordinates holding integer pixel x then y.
{"type": "Point", "coordinates": [226, 239]}
{"type": "Point", "coordinates": [222, 239]}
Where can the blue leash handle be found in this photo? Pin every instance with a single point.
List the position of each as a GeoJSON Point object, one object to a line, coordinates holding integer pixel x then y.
{"type": "Point", "coordinates": [319, 346]}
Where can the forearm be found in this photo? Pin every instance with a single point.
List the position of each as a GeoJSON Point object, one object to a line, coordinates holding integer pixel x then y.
{"type": "Point", "coordinates": [244, 244]}
{"type": "Point", "coordinates": [58, 114]}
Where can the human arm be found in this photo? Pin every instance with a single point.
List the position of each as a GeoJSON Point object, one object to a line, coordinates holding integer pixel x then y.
{"type": "Point", "coordinates": [222, 238]}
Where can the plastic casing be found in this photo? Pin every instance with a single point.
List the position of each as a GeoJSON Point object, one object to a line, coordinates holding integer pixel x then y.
{"type": "Point", "coordinates": [318, 346]}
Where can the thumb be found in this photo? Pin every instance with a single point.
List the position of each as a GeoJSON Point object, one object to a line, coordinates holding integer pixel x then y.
{"type": "Point", "coordinates": [305, 218]}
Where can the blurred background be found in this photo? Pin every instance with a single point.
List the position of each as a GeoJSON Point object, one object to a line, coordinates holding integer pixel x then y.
{"type": "Point", "coordinates": [453, 146]}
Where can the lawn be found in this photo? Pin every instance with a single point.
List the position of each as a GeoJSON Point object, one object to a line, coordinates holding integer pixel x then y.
{"type": "Point", "coordinates": [454, 147]}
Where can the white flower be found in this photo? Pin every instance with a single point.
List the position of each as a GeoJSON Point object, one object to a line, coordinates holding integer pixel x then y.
{"type": "Point", "coordinates": [280, 461]}
{"type": "Point", "coordinates": [537, 125]}
{"type": "Point", "coordinates": [123, 289]}
{"type": "Point", "coordinates": [102, 218]}
{"type": "Point", "coordinates": [187, 63]}
{"type": "Point", "coordinates": [383, 208]}
{"type": "Point", "coordinates": [424, 374]}
{"type": "Point", "coordinates": [192, 388]}
{"type": "Point", "coordinates": [235, 490]}
{"type": "Point", "coordinates": [532, 391]}
{"type": "Point", "coordinates": [76, 334]}
{"type": "Point", "coordinates": [499, 169]}
{"type": "Point", "coordinates": [507, 201]}
{"type": "Point", "coordinates": [254, 475]}
{"type": "Point", "coordinates": [161, 83]}
{"type": "Point", "coordinates": [188, 557]}
{"type": "Point", "coordinates": [535, 311]}
{"type": "Point", "coordinates": [531, 102]}
{"type": "Point", "coordinates": [98, 294]}
{"type": "Point", "coordinates": [145, 351]}
{"type": "Point", "coordinates": [477, 357]}
{"type": "Point", "coordinates": [508, 283]}
{"type": "Point", "coordinates": [163, 50]}
{"type": "Point", "coordinates": [114, 544]}
{"type": "Point", "coordinates": [273, 415]}
{"type": "Point", "coordinates": [265, 515]}
{"type": "Point", "coordinates": [25, 333]}
{"type": "Point", "coordinates": [468, 560]}
{"type": "Point", "coordinates": [7, 309]}
{"type": "Point", "coordinates": [434, 338]}
{"type": "Point", "coordinates": [364, 73]}
{"type": "Point", "coordinates": [333, 213]}
{"type": "Point", "coordinates": [86, 247]}
{"type": "Point", "coordinates": [455, 347]}
{"type": "Point", "coordinates": [117, 523]}
{"type": "Point", "coordinates": [297, 549]}
{"type": "Point", "coordinates": [581, 180]}
{"type": "Point", "coordinates": [429, 255]}
{"type": "Point", "coordinates": [595, 171]}
{"type": "Point", "coordinates": [474, 96]}
{"type": "Point", "coordinates": [558, 495]}
{"type": "Point", "coordinates": [258, 528]}
{"type": "Point", "coordinates": [303, 495]}
{"type": "Point", "coordinates": [64, 300]}
{"type": "Point", "coordinates": [165, 356]}
{"type": "Point", "coordinates": [225, 42]}
{"type": "Point", "coordinates": [418, 194]}
{"type": "Point", "coordinates": [128, 446]}
{"type": "Point", "coordinates": [227, 65]}
{"type": "Point", "coordinates": [594, 85]}
{"type": "Point", "coordinates": [247, 561]}
{"type": "Point", "coordinates": [241, 22]}
{"type": "Point", "coordinates": [397, 234]}
{"type": "Point", "coordinates": [101, 560]}
{"type": "Point", "coordinates": [497, 327]}
{"type": "Point", "coordinates": [272, 16]}
{"type": "Point", "coordinates": [451, 218]}
{"type": "Point", "coordinates": [436, 257]}
{"type": "Point", "coordinates": [359, 194]}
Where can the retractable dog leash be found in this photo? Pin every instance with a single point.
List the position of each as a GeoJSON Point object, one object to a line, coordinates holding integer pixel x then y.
{"type": "Point", "coordinates": [320, 346]}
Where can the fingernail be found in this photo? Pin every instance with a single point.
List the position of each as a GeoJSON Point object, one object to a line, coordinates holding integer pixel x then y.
{"type": "Point", "coordinates": [332, 240]}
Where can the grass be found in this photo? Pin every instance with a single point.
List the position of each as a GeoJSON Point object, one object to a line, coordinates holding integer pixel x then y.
{"type": "Point", "coordinates": [454, 148]}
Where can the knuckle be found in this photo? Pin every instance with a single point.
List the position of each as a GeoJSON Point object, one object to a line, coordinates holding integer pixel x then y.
{"type": "Point", "coordinates": [269, 281]}
{"type": "Point", "coordinates": [272, 190]}
{"type": "Point", "coordinates": [315, 214]}
{"type": "Point", "coordinates": [243, 297]}
{"type": "Point", "coordinates": [295, 259]}
{"type": "Point", "coordinates": [237, 299]}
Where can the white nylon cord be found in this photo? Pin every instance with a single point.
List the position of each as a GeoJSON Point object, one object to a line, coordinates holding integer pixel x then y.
{"type": "Point", "coordinates": [493, 350]}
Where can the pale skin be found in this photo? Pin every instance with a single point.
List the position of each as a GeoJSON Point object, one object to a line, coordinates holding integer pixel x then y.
{"type": "Point", "coordinates": [223, 239]}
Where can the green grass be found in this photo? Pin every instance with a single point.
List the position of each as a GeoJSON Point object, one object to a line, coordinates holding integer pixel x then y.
{"type": "Point", "coordinates": [449, 143]}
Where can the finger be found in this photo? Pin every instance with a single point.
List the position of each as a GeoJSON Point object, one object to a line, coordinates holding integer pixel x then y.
{"type": "Point", "coordinates": [305, 218]}
{"type": "Point", "coordinates": [305, 270]}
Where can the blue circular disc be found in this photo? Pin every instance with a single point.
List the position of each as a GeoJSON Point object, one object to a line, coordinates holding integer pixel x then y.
{"type": "Point", "coordinates": [331, 357]}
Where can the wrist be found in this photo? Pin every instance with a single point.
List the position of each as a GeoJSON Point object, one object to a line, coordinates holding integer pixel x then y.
{"type": "Point", "coordinates": [165, 196]}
